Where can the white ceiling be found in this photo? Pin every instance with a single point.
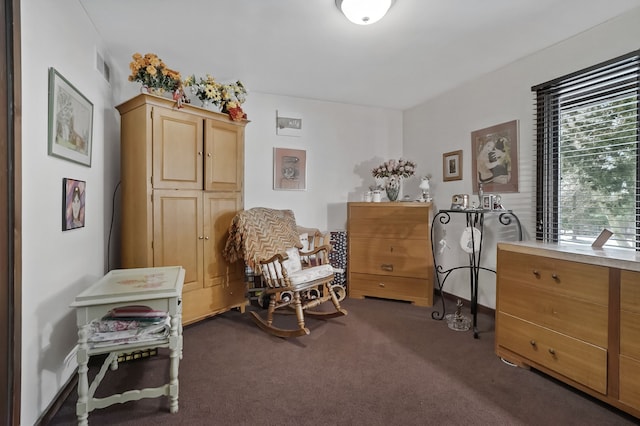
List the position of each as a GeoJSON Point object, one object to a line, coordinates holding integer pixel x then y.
{"type": "Point", "coordinates": [308, 49]}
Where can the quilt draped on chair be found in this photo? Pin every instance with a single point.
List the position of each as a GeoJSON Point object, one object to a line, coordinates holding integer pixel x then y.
{"type": "Point", "coordinates": [260, 233]}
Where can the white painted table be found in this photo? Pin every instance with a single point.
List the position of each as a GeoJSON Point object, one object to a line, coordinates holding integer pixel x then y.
{"type": "Point", "coordinates": [159, 288]}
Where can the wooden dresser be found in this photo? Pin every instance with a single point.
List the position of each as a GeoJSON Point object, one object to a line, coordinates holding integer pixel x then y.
{"type": "Point", "coordinates": [630, 339]}
{"type": "Point", "coordinates": [573, 313]}
{"type": "Point", "coordinates": [389, 251]}
{"type": "Point", "coordinates": [182, 174]}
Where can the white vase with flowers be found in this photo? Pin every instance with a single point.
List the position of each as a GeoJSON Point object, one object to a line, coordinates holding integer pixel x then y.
{"type": "Point", "coordinates": [393, 171]}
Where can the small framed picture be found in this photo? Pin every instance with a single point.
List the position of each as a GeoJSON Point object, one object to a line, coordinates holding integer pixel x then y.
{"type": "Point", "coordinates": [487, 202]}
{"type": "Point", "coordinates": [288, 123]}
{"type": "Point", "coordinates": [452, 165]}
{"type": "Point", "coordinates": [289, 169]}
{"type": "Point", "coordinates": [73, 203]}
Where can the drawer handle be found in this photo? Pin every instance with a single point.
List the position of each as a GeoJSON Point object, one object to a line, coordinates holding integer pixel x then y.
{"type": "Point", "coordinates": [555, 277]}
{"type": "Point", "coordinates": [380, 284]}
{"type": "Point", "coordinates": [387, 267]}
{"type": "Point", "coordinates": [536, 273]}
{"type": "Point", "coordinates": [552, 351]}
{"type": "Point", "coordinates": [533, 342]}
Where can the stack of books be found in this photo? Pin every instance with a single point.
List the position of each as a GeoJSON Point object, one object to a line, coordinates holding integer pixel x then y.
{"type": "Point", "coordinates": [129, 324]}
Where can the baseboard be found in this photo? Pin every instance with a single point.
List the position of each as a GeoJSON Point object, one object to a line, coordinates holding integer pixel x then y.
{"type": "Point", "coordinates": [59, 400]}
{"type": "Point", "coordinates": [481, 308]}
{"type": "Point", "coordinates": [64, 393]}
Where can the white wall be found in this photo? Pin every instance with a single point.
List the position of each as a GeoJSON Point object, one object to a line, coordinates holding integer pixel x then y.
{"type": "Point", "coordinates": [57, 264]}
{"type": "Point", "coordinates": [342, 142]}
{"type": "Point", "coordinates": [445, 124]}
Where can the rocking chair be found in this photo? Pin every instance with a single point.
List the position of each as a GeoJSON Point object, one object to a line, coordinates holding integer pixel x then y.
{"type": "Point", "coordinates": [269, 243]}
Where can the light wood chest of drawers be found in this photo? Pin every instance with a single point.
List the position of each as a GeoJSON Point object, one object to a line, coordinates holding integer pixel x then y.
{"type": "Point", "coordinates": [576, 318]}
{"type": "Point", "coordinates": [389, 254]}
{"type": "Point", "coordinates": [630, 338]}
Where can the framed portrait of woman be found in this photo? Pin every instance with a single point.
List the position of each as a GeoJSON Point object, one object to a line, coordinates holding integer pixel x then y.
{"type": "Point", "coordinates": [495, 158]}
{"type": "Point", "coordinates": [73, 203]}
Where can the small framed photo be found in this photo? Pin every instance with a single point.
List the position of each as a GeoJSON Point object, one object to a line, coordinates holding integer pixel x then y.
{"type": "Point", "coordinates": [487, 202]}
{"type": "Point", "coordinates": [289, 169]}
{"type": "Point", "coordinates": [73, 203]}
{"type": "Point", "coordinates": [452, 165]}
{"type": "Point", "coordinates": [70, 121]}
{"type": "Point", "coordinates": [288, 123]}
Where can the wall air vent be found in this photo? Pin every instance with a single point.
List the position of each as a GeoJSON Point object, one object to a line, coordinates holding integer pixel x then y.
{"type": "Point", "coordinates": [103, 67]}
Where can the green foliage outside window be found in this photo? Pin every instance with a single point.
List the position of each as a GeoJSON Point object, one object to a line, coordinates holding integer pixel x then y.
{"type": "Point", "coordinates": [598, 146]}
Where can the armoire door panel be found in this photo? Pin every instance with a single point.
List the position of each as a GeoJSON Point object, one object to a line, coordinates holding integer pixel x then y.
{"type": "Point", "coordinates": [223, 146]}
{"type": "Point", "coordinates": [177, 147]}
{"type": "Point", "coordinates": [178, 234]}
{"type": "Point", "coordinates": [219, 210]}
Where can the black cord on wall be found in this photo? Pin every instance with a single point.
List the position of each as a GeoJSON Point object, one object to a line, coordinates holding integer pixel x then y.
{"type": "Point", "coordinates": [113, 208]}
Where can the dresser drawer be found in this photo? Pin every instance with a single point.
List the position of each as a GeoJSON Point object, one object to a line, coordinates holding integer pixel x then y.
{"type": "Point", "coordinates": [572, 358]}
{"type": "Point", "coordinates": [630, 382]}
{"type": "Point", "coordinates": [391, 220]}
{"type": "Point", "coordinates": [630, 335]}
{"type": "Point", "coordinates": [415, 290]}
{"type": "Point", "coordinates": [392, 257]}
{"type": "Point", "coordinates": [574, 280]}
{"type": "Point", "coordinates": [582, 320]}
{"type": "Point", "coordinates": [630, 291]}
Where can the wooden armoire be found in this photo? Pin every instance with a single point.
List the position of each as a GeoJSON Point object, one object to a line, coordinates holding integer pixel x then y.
{"type": "Point", "coordinates": [182, 183]}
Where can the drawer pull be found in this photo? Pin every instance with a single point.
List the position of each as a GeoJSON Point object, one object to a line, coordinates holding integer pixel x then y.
{"type": "Point", "coordinates": [387, 267]}
{"type": "Point", "coordinates": [536, 273]}
{"type": "Point", "coordinates": [554, 276]}
{"type": "Point", "coordinates": [552, 351]}
{"type": "Point", "coordinates": [380, 284]}
{"type": "Point", "coordinates": [533, 342]}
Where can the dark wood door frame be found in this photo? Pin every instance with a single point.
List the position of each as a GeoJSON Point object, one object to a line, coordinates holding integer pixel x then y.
{"type": "Point", "coordinates": [10, 213]}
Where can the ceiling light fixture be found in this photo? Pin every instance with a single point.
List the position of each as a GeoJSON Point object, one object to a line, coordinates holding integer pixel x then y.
{"type": "Point", "coordinates": [364, 12]}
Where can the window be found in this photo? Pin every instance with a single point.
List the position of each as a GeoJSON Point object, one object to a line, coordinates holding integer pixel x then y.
{"type": "Point", "coordinates": [587, 127]}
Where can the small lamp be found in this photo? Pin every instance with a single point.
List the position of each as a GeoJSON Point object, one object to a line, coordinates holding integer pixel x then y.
{"type": "Point", "coordinates": [424, 185]}
{"type": "Point", "coordinates": [364, 12]}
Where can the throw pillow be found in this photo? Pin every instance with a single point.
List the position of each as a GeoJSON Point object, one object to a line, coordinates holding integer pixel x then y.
{"type": "Point", "coordinates": [292, 264]}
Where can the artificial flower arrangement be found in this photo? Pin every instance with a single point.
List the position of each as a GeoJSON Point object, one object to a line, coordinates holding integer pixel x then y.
{"type": "Point", "coordinates": [206, 89]}
{"type": "Point", "coordinates": [395, 171]}
{"type": "Point", "coordinates": [153, 73]}
{"type": "Point", "coordinates": [229, 97]}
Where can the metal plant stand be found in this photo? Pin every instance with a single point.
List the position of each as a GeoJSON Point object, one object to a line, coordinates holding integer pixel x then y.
{"type": "Point", "coordinates": [474, 219]}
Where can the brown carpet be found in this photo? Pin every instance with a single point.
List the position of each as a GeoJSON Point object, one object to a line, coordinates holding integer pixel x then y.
{"type": "Point", "coordinates": [386, 363]}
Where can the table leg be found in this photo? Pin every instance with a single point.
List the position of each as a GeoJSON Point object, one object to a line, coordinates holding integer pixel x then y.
{"type": "Point", "coordinates": [474, 300]}
{"type": "Point", "coordinates": [174, 356]}
{"type": "Point", "coordinates": [475, 220]}
{"type": "Point", "coordinates": [82, 406]}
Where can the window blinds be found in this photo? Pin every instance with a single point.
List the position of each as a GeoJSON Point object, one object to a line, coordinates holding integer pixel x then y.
{"type": "Point", "coordinates": [587, 126]}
